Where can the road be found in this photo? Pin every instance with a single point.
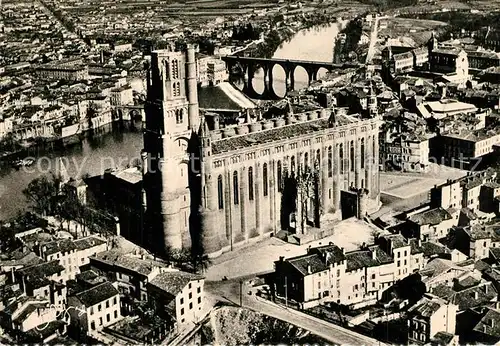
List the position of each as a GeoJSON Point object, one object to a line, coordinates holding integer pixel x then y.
{"type": "Point", "coordinates": [373, 40]}
{"type": "Point", "coordinates": [230, 291]}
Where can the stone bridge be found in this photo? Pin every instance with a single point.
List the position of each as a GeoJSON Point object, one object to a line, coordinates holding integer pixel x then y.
{"type": "Point", "coordinates": [128, 112]}
{"type": "Point", "coordinates": [249, 65]}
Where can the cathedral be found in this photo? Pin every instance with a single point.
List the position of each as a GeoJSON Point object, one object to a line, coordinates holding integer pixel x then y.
{"type": "Point", "coordinates": [213, 187]}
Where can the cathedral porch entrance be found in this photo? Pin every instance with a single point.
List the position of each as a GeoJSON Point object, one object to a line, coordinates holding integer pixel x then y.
{"type": "Point", "coordinates": [349, 204]}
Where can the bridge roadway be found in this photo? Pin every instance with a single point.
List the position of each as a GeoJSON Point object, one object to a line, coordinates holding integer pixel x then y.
{"type": "Point", "coordinates": [285, 62]}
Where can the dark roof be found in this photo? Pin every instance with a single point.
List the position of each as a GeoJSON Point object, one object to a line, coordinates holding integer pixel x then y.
{"type": "Point", "coordinates": [64, 245]}
{"type": "Point", "coordinates": [430, 217]}
{"type": "Point", "coordinates": [318, 259]}
{"type": "Point", "coordinates": [97, 294]}
{"type": "Point", "coordinates": [213, 97]}
{"type": "Point", "coordinates": [312, 261]}
{"type": "Point", "coordinates": [485, 325]}
{"type": "Point", "coordinates": [276, 134]}
{"type": "Point", "coordinates": [466, 298]}
{"type": "Point", "coordinates": [360, 259]}
{"type": "Point", "coordinates": [174, 281]}
{"type": "Point", "coordinates": [442, 338]}
{"type": "Point", "coordinates": [122, 261]}
{"type": "Point", "coordinates": [42, 270]}
{"type": "Point", "coordinates": [88, 242]}
{"type": "Point", "coordinates": [426, 307]}
{"type": "Point", "coordinates": [428, 248]}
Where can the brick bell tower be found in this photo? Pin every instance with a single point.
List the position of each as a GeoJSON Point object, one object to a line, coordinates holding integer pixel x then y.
{"type": "Point", "coordinates": [172, 120]}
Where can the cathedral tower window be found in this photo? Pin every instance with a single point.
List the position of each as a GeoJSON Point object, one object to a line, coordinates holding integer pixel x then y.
{"type": "Point", "coordinates": [351, 156]}
{"type": "Point", "coordinates": [250, 183]}
{"type": "Point", "coordinates": [236, 190]}
{"type": "Point", "coordinates": [292, 165]}
{"type": "Point", "coordinates": [220, 192]}
{"type": "Point", "coordinates": [264, 179]}
{"type": "Point", "coordinates": [330, 162]}
{"type": "Point", "coordinates": [341, 157]}
{"type": "Point", "coordinates": [362, 158]}
{"type": "Point", "coordinates": [175, 69]}
{"type": "Point", "coordinates": [280, 177]}
{"type": "Point", "coordinates": [178, 116]}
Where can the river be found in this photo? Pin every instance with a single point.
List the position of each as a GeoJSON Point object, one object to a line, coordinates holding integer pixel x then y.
{"type": "Point", "coordinates": [119, 147]}
{"type": "Point", "coordinates": [314, 44]}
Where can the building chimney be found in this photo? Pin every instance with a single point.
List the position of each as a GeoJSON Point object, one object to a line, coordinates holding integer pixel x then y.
{"type": "Point", "coordinates": [309, 270]}
{"type": "Point", "coordinates": [486, 288]}
{"type": "Point", "coordinates": [309, 249]}
{"type": "Point", "coordinates": [330, 243]}
{"type": "Point", "coordinates": [419, 242]}
{"type": "Point", "coordinates": [374, 254]}
{"type": "Point", "coordinates": [282, 258]}
{"type": "Point", "coordinates": [476, 295]}
{"type": "Point", "coordinates": [492, 322]}
{"type": "Point", "coordinates": [343, 251]}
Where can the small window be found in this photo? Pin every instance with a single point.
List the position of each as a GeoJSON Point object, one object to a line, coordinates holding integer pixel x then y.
{"type": "Point", "coordinates": [182, 301]}
{"type": "Point", "coordinates": [108, 318]}
{"type": "Point", "coordinates": [114, 301]}
{"type": "Point", "coordinates": [107, 304]}
{"type": "Point", "coordinates": [116, 314]}
{"type": "Point", "coordinates": [182, 311]}
{"type": "Point", "coordinates": [99, 307]}
{"type": "Point", "coordinates": [199, 300]}
{"type": "Point", "coordinates": [92, 325]}
{"type": "Point", "coordinates": [199, 290]}
{"type": "Point", "coordinates": [190, 295]}
{"type": "Point", "coordinates": [91, 310]}
{"type": "Point", "coordinates": [190, 306]}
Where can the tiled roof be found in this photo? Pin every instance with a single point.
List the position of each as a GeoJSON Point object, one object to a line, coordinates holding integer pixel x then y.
{"type": "Point", "coordinates": [43, 270]}
{"type": "Point", "coordinates": [21, 259]}
{"type": "Point", "coordinates": [312, 261]}
{"type": "Point", "coordinates": [88, 242]}
{"type": "Point", "coordinates": [64, 245]}
{"type": "Point", "coordinates": [426, 307]}
{"type": "Point", "coordinates": [430, 217]}
{"type": "Point", "coordinates": [485, 325]}
{"type": "Point", "coordinates": [134, 264]}
{"type": "Point", "coordinates": [364, 258]}
{"type": "Point", "coordinates": [466, 298]}
{"type": "Point", "coordinates": [276, 134]}
{"type": "Point", "coordinates": [97, 294]}
{"type": "Point", "coordinates": [442, 338]}
{"type": "Point", "coordinates": [173, 282]}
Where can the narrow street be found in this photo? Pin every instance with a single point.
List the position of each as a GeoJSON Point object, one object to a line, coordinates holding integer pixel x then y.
{"type": "Point", "coordinates": [373, 40]}
{"type": "Point", "coordinates": [230, 291]}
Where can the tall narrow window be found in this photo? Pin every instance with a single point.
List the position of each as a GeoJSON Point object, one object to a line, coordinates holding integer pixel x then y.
{"type": "Point", "coordinates": [175, 69]}
{"type": "Point", "coordinates": [264, 179]}
{"type": "Point", "coordinates": [362, 158]}
{"type": "Point", "coordinates": [250, 183]}
{"type": "Point", "coordinates": [351, 156]}
{"type": "Point", "coordinates": [292, 165]}
{"type": "Point", "coordinates": [374, 154]}
{"type": "Point", "coordinates": [341, 157]}
{"type": "Point", "coordinates": [236, 189]}
{"type": "Point", "coordinates": [330, 162]}
{"type": "Point", "coordinates": [306, 160]}
{"type": "Point", "coordinates": [280, 178]}
{"type": "Point", "coordinates": [220, 192]}
{"type": "Point", "coordinates": [318, 158]}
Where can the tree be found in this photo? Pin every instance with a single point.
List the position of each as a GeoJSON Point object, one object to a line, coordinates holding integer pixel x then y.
{"type": "Point", "coordinates": [41, 193]}
{"type": "Point", "coordinates": [200, 262]}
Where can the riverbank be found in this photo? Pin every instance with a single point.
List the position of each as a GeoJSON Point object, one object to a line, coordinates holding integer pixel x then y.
{"type": "Point", "coordinates": [41, 147]}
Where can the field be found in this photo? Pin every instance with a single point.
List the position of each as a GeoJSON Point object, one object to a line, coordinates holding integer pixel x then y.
{"type": "Point", "coordinates": [417, 31]}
